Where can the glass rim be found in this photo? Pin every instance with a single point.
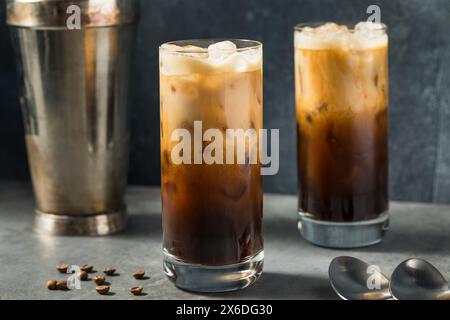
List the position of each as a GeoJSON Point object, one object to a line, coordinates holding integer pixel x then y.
{"type": "Point", "coordinates": [349, 25]}
{"type": "Point", "coordinates": [252, 45]}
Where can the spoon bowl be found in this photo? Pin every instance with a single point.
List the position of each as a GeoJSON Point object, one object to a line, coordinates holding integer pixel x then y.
{"type": "Point", "coordinates": [417, 279]}
{"type": "Point", "coordinates": [354, 279]}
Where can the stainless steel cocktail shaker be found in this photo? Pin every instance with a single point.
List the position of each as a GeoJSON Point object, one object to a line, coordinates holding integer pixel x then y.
{"type": "Point", "coordinates": [75, 101]}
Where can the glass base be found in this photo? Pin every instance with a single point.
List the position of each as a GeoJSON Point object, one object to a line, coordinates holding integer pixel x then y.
{"type": "Point", "coordinates": [343, 235]}
{"type": "Point", "coordinates": [199, 278]}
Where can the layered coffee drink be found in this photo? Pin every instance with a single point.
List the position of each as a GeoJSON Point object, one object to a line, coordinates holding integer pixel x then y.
{"type": "Point", "coordinates": [342, 116]}
{"type": "Point", "coordinates": [212, 212]}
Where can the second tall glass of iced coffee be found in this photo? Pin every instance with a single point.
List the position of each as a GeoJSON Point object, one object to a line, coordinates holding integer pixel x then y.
{"type": "Point", "coordinates": [212, 208]}
{"type": "Point", "coordinates": [342, 114]}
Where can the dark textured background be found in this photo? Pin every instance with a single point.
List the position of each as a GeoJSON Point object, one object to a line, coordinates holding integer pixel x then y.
{"type": "Point", "coordinates": [420, 83]}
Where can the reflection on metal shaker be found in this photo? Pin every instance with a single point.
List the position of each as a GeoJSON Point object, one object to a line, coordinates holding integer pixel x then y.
{"type": "Point", "coordinates": [75, 103]}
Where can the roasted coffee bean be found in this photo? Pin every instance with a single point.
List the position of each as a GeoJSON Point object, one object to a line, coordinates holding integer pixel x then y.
{"type": "Point", "coordinates": [139, 274]}
{"type": "Point", "coordinates": [99, 280]}
{"type": "Point", "coordinates": [51, 284]}
{"type": "Point", "coordinates": [102, 289]}
{"type": "Point", "coordinates": [83, 275]}
{"type": "Point", "coordinates": [63, 267]}
{"type": "Point", "coordinates": [87, 267]}
{"type": "Point", "coordinates": [109, 271]}
{"type": "Point", "coordinates": [136, 290]}
{"type": "Point", "coordinates": [61, 285]}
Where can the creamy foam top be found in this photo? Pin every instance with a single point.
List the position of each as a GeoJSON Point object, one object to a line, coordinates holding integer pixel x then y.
{"type": "Point", "coordinates": [217, 58]}
{"type": "Point", "coordinates": [331, 36]}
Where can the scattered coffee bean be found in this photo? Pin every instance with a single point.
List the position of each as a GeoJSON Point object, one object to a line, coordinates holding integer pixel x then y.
{"type": "Point", "coordinates": [87, 268]}
{"type": "Point", "coordinates": [61, 285]}
{"type": "Point", "coordinates": [99, 280]}
{"type": "Point", "coordinates": [136, 290]}
{"type": "Point", "coordinates": [102, 289]}
{"type": "Point", "coordinates": [109, 271]}
{"type": "Point", "coordinates": [139, 274]}
{"type": "Point", "coordinates": [51, 284]}
{"type": "Point", "coordinates": [83, 275]}
{"type": "Point", "coordinates": [63, 267]}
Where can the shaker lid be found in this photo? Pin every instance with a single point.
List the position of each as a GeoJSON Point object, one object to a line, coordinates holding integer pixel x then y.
{"type": "Point", "coordinates": [57, 14]}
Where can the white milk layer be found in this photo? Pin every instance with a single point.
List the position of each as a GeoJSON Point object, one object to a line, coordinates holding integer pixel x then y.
{"type": "Point", "coordinates": [331, 36]}
{"type": "Point", "coordinates": [221, 57]}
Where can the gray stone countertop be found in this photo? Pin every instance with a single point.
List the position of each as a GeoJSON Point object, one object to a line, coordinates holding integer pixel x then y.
{"type": "Point", "coordinates": [293, 268]}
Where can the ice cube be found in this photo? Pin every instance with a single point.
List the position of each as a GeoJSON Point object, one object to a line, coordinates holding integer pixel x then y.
{"type": "Point", "coordinates": [369, 30]}
{"type": "Point", "coordinates": [184, 60]}
{"type": "Point", "coordinates": [370, 34]}
{"type": "Point", "coordinates": [253, 56]}
{"type": "Point", "coordinates": [220, 51]}
{"type": "Point", "coordinates": [235, 190]}
{"type": "Point", "coordinates": [331, 27]}
{"type": "Point", "coordinates": [237, 62]}
{"type": "Point", "coordinates": [224, 54]}
{"type": "Point", "coordinates": [171, 47]}
{"type": "Point", "coordinates": [327, 36]}
{"type": "Point", "coordinates": [195, 51]}
{"type": "Point", "coordinates": [189, 50]}
{"type": "Point", "coordinates": [169, 188]}
{"type": "Point", "coordinates": [368, 26]}
{"type": "Point", "coordinates": [193, 48]}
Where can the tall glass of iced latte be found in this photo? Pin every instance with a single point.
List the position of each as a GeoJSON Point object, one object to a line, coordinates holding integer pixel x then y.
{"type": "Point", "coordinates": [342, 116]}
{"type": "Point", "coordinates": [211, 201]}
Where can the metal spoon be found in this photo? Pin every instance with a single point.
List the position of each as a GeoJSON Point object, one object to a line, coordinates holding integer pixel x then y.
{"type": "Point", "coordinates": [352, 279]}
{"type": "Point", "coordinates": [417, 279]}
